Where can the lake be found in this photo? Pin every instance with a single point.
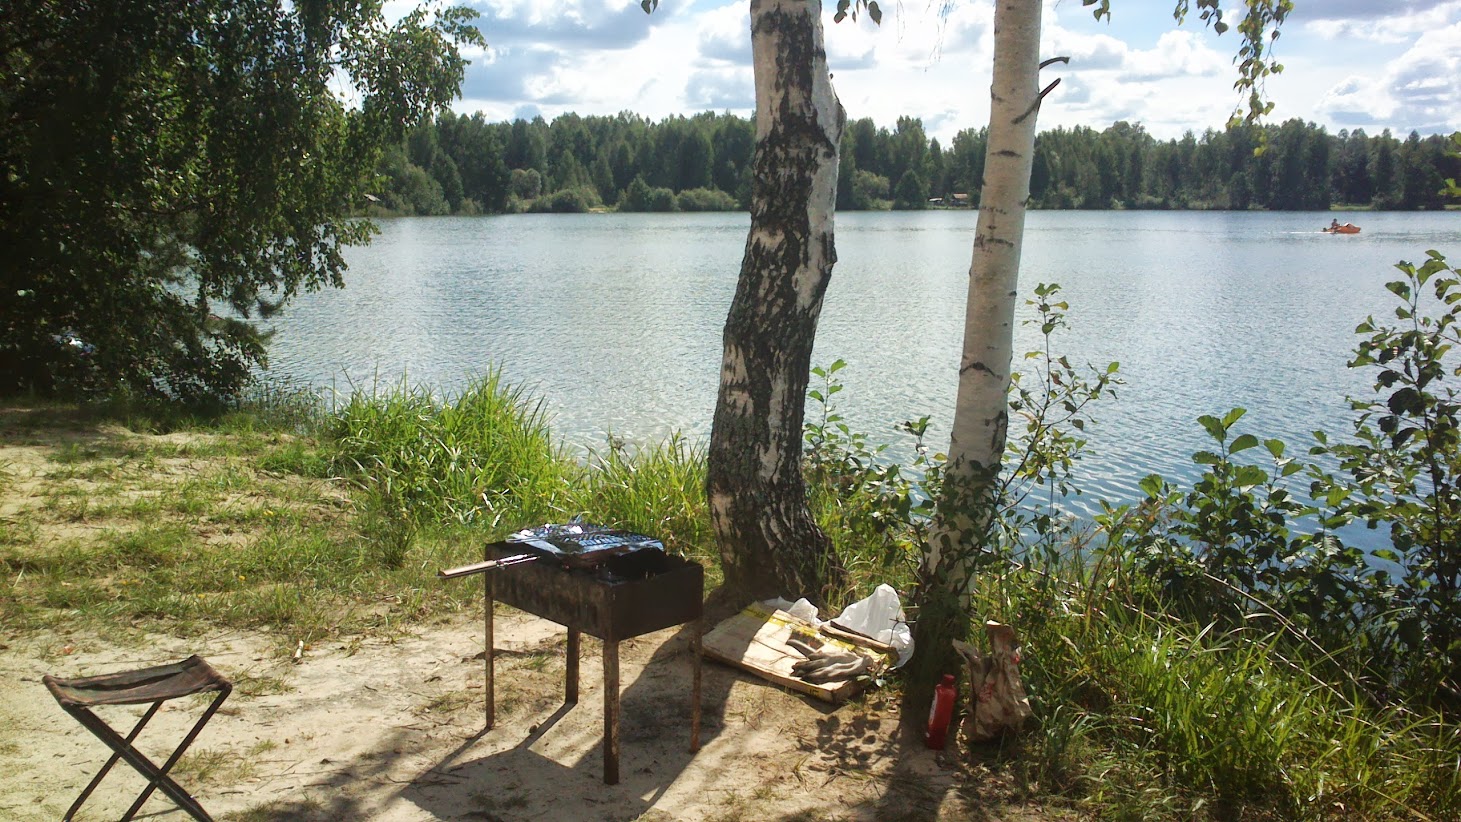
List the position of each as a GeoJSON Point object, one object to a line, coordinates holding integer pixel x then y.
{"type": "Point", "coordinates": [614, 320]}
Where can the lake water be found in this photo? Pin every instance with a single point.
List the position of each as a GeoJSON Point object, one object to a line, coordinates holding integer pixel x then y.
{"type": "Point", "coordinates": [614, 321]}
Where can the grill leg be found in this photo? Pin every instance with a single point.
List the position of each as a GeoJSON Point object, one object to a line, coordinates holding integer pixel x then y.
{"type": "Point", "coordinates": [487, 683]}
{"type": "Point", "coordinates": [101, 774]}
{"type": "Point", "coordinates": [695, 642]}
{"type": "Point", "coordinates": [570, 687]}
{"type": "Point", "coordinates": [611, 712]}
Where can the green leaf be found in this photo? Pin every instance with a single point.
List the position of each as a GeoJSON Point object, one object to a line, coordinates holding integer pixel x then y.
{"type": "Point", "coordinates": [1206, 458]}
{"type": "Point", "coordinates": [1153, 485]}
{"type": "Point", "coordinates": [1214, 426]}
{"type": "Point", "coordinates": [1243, 443]}
{"type": "Point", "coordinates": [1250, 475]}
{"type": "Point", "coordinates": [1233, 416]}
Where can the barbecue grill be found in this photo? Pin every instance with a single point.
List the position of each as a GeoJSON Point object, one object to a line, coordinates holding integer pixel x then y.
{"type": "Point", "coordinates": [612, 585]}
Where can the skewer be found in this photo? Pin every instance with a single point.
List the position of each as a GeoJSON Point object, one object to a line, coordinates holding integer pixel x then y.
{"type": "Point", "coordinates": [483, 567]}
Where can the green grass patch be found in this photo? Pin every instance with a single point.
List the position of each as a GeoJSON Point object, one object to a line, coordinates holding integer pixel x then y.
{"type": "Point", "coordinates": [1142, 716]}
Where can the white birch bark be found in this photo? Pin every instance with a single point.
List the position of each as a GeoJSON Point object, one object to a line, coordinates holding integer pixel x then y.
{"type": "Point", "coordinates": [769, 543]}
{"type": "Point", "coordinates": [966, 505]}
{"type": "Point", "coordinates": [981, 412]}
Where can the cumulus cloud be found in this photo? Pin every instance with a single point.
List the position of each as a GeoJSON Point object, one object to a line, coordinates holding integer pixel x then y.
{"type": "Point", "coordinates": [1395, 21]}
{"type": "Point", "coordinates": [1088, 52]}
{"type": "Point", "coordinates": [725, 34]}
{"type": "Point", "coordinates": [1177, 53]}
{"type": "Point", "coordinates": [1419, 90]}
{"type": "Point", "coordinates": [512, 73]}
{"type": "Point", "coordinates": [721, 89]}
{"type": "Point", "coordinates": [597, 24]}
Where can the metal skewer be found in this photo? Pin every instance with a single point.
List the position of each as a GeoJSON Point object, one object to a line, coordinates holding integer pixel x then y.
{"type": "Point", "coordinates": [483, 567]}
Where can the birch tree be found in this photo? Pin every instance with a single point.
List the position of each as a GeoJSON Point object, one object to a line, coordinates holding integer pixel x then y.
{"type": "Point", "coordinates": [769, 543]}
{"type": "Point", "coordinates": [963, 529]}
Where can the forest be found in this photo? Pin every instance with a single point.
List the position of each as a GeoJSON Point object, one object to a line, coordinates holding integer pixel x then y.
{"type": "Point", "coordinates": [463, 164]}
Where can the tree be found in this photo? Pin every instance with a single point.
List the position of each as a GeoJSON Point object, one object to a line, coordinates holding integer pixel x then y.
{"type": "Point", "coordinates": [966, 506]}
{"type": "Point", "coordinates": [168, 171]}
{"type": "Point", "coordinates": [1420, 175]}
{"type": "Point", "coordinates": [911, 193]}
{"type": "Point", "coordinates": [769, 543]}
{"type": "Point", "coordinates": [1385, 171]}
{"type": "Point", "coordinates": [965, 511]}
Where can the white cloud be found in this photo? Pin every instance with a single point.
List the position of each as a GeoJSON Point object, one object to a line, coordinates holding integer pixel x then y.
{"type": "Point", "coordinates": [721, 89]}
{"type": "Point", "coordinates": [1420, 90]}
{"type": "Point", "coordinates": [1395, 21]}
{"type": "Point", "coordinates": [725, 34]}
{"type": "Point", "coordinates": [1177, 53]}
{"type": "Point", "coordinates": [606, 56]}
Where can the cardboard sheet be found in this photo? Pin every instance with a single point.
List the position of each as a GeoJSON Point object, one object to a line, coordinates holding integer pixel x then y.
{"type": "Point", "coordinates": [755, 640]}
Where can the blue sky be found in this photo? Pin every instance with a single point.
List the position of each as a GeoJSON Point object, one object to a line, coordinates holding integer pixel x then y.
{"type": "Point", "coordinates": [1371, 64]}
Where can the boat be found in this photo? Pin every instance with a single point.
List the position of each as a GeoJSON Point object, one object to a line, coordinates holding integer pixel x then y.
{"type": "Point", "coordinates": [1347, 228]}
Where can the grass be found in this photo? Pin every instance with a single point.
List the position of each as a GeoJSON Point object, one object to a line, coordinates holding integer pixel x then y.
{"type": "Point", "coordinates": [1142, 716]}
{"type": "Point", "coordinates": [312, 522]}
{"type": "Point", "coordinates": [221, 765]}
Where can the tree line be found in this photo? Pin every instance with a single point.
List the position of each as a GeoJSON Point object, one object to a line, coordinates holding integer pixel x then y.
{"type": "Point", "coordinates": [463, 164]}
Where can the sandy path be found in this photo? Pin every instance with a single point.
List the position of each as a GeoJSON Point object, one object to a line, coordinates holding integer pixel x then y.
{"type": "Point", "coordinates": [391, 731]}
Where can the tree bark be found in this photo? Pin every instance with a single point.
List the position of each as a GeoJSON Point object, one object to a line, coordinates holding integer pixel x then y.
{"type": "Point", "coordinates": [769, 543]}
{"type": "Point", "coordinates": [967, 502]}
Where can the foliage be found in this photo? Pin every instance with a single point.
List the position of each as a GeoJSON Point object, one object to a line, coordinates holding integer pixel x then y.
{"type": "Point", "coordinates": [912, 191]}
{"type": "Point", "coordinates": [875, 509]}
{"type": "Point", "coordinates": [1304, 167]}
{"type": "Point", "coordinates": [1404, 468]}
{"type": "Point", "coordinates": [658, 489]}
{"type": "Point", "coordinates": [166, 174]}
{"type": "Point", "coordinates": [566, 201]}
{"type": "Point", "coordinates": [641, 197]}
{"type": "Point", "coordinates": [465, 458]}
{"type": "Point", "coordinates": [705, 199]}
{"type": "Point", "coordinates": [1240, 546]}
{"type": "Point", "coordinates": [890, 505]}
{"type": "Point", "coordinates": [1141, 715]}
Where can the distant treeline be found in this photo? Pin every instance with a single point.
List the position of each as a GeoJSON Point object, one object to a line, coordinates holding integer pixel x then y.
{"type": "Point", "coordinates": [464, 164]}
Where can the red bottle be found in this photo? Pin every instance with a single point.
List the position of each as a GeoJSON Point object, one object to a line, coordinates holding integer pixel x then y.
{"type": "Point", "coordinates": [940, 714]}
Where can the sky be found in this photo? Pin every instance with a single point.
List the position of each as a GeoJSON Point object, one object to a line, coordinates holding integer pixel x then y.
{"type": "Point", "coordinates": [1371, 64]}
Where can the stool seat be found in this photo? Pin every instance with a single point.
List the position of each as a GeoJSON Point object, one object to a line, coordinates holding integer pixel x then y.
{"type": "Point", "coordinates": [151, 686]}
{"type": "Point", "coordinates": [178, 679]}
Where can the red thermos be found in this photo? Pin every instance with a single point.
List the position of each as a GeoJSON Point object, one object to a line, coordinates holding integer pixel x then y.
{"type": "Point", "coordinates": [940, 714]}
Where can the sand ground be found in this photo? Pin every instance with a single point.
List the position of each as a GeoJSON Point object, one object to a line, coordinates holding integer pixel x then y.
{"type": "Point", "coordinates": [393, 730]}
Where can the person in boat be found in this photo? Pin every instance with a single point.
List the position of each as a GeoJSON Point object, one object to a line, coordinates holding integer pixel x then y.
{"type": "Point", "coordinates": [1333, 225]}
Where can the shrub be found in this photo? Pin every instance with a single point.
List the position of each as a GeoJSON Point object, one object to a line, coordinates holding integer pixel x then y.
{"type": "Point", "coordinates": [705, 199]}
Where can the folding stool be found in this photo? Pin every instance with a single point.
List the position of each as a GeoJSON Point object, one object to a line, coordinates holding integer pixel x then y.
{"type": "Point", "coordinates": [155, 685]}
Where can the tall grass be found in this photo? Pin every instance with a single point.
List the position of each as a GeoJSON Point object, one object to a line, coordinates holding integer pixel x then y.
{"type": "Point", "coordinates": [657, 490]}
{"type": "Point", "coordinates": [1144, 716]}
{"type": "Point", "coordinates": [468, 459]}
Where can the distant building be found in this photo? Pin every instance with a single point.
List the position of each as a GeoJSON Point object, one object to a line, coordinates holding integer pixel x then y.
{"type": "Point", "coordinates": [961, 200]}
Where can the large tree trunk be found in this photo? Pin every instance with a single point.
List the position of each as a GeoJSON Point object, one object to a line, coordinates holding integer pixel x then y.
{"type": "Point", "coordinates": [967, 504]}
{"type": "Point", "coordinates": [769, 543]}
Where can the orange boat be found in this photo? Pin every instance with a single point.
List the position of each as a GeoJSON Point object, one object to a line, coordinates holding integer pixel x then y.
{"type": "Point", "coordinates": [1347, 228]}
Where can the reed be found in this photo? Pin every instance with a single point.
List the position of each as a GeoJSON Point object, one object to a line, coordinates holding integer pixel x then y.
{"type": "Point", "coordinates": [1143, 716]}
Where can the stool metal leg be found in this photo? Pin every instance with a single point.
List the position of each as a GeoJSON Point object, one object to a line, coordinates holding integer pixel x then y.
{"type": "Point", "coordinates": [101, 774]}
{"type": "Point", "coordinates": [195, 808]}
{"type": "Point", "coordinates": [156, 777]}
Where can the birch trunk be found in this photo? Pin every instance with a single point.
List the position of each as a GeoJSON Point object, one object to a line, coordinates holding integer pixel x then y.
{"type": "Point", "coordinates": [977, 442]}
{"type": "Point", "coordinates": [769, 543]}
